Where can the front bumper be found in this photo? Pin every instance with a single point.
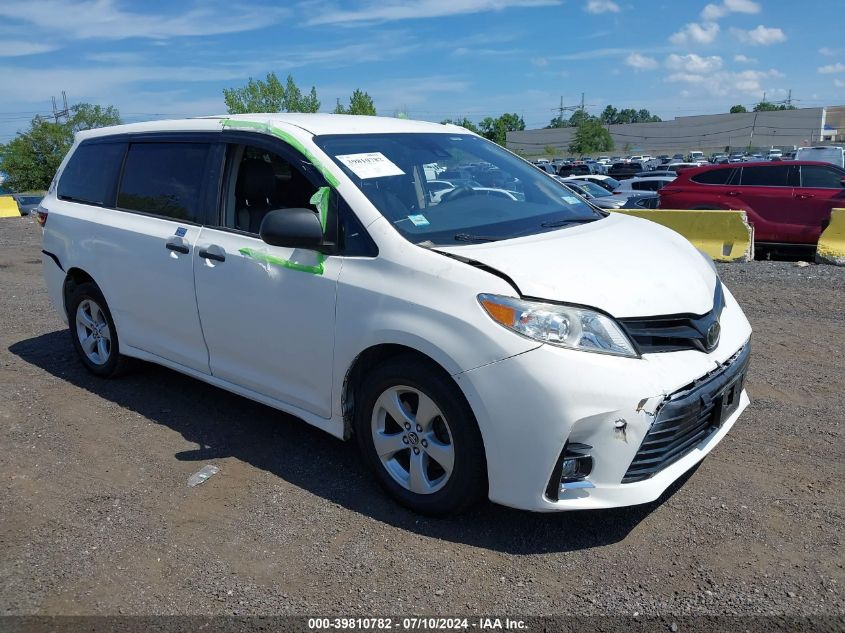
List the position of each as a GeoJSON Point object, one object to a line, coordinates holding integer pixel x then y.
{"type": "Point", "coordinates": [528, 406]}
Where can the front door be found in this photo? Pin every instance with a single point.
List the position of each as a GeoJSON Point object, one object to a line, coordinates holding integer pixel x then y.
{"type": "Point", "coordinates": [267, 312]}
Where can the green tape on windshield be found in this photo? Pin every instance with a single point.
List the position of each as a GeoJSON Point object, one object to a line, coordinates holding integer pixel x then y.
{"type": "Point", "coordinates": [285, 263]}
{"type": "Point", "coordinates": [267, 128]}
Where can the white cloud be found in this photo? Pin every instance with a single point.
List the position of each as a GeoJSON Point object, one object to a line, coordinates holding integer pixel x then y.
{"type": "Point", "coordinates": [540, 62]}
{"type": "Point", "coordinates": [761, 36]}
{"type": "Point", "coordinates": [602, 6]}
{"type": "Point", "coordinates": [839, 83]}
{"type": "Point", "coordinates": [641, 62]}
{"type": "Point", "coordinates": [102, 19]}
{"type": "Point", "coordinates": [694, 63]}
{"type": "Point", "coordinates": [724, 83]}
{"type": "Point", "coordinates": [829, 52]}
{"type": "Point", "coordinates": [715, 11]}
{"type": "Point", "coordinates": [13, 48]}
{"type": "Point", "coordinates": [694, 32]}
{"type": "Point", "coordinates": [744, 59]}
{"type": "Point", "coordinates": [832, 68]}
{"type": "Point", "coordinates": [392, 10]}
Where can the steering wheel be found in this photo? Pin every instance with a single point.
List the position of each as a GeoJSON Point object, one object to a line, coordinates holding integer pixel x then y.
{"type": "Point", "coordinates": [457, 192]}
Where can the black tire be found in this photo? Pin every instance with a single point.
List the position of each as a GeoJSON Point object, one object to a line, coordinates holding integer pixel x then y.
{"type": "Point", "coordinates": [467, 483]}
{"type": "Point", "coordinates": [116, 364]}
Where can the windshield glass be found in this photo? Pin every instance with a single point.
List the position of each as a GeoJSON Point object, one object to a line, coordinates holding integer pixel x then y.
{"type": "Point", "coordinates": [593, 189]}
{"type": "Point", "coordinates": [492, 195]}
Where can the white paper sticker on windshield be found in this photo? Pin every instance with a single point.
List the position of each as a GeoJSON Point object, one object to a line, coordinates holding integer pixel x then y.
{"type": "Point", "coordinates": [570, 199]}
{"type": "Point", "coordinates": [370, 165]}
{"type": "Point", "coordinates": [418, 220]}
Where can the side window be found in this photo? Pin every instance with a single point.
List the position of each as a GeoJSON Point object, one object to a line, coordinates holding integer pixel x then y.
{"type": "Point", "coordinates": [91, 173]}
{"type": "Point", "coordinates": [258, 182]}
{"type": "Point", "coordinates": [821, 177]}
{"type": "Point", "coordinates": [768, 176]}
{"type": "Point", "coordinates": [714, 177]}
{"type": "Point", "coordinates": [649, 185]}
{"type": "Point", "coordinates": [164, 179]}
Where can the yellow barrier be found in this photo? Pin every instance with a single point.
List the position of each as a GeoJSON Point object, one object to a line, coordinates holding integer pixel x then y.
{"type": "Point", "coordinates": [831, 249]}
{"type": "Point", "coordinates": [9, 207]}
{"type": "Point", "coordinates": [724, 235]}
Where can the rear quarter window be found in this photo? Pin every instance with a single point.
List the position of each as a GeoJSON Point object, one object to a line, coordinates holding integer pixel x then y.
{"type": "Point", "coordinates": [714, 177]}
{"type": "Point", "coordinates": [90, 175]}
{"type": "Point", "coordinates": [164, 179]}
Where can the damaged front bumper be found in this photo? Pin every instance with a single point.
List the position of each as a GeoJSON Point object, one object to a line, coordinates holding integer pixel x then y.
{"type": "Point", "coordinates": [534, 407]}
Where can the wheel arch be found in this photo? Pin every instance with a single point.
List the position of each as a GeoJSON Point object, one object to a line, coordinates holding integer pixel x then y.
{"type": "Point", "coordinates": [75, 277]}
{"type": "Point", "coordinates": [376, 354]}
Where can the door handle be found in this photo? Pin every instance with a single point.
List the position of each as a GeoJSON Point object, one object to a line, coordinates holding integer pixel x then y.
{"type": "Point", "coordinates": [804, 196]}
{"type": "Point", "coordinates": [207, 254]}
{"type": "Point", "coordinates": [179, 248]}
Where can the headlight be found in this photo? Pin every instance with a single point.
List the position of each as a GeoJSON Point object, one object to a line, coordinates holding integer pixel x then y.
{"type": "Point", "coordinates": [565, 326]}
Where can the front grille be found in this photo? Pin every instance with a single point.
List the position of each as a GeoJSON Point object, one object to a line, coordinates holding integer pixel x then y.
{"type": "Point", "coordinates": [676, 332]}
{"type": "Point", "coordinates": [689, 417]}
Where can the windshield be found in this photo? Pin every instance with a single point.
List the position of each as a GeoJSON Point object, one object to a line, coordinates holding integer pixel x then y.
{"type": "Point", "coordinates": [593, 189]}
{"type": "Point", "coordinates": [493, 195]}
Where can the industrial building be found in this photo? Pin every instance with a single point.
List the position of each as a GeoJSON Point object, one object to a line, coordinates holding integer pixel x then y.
{"type": "Point", "coordinates": [785, 129]}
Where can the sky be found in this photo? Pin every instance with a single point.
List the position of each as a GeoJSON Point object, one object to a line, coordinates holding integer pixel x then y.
{"type": "Point", "coordinates": [432, 59]}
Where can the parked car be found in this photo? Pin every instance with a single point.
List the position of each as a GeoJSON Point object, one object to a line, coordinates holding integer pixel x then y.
{"type": "Point", "coordinates": [621, 171]}
{"type": "Point", "coordinates": [678, 158]}
{"type": "Point", "coordinates": [606, 182]}
{"type": "Point", "coordinates": [736, 157]}
{"type": "Point", "coordinates": [579, 169]}
{"type": "Point", "coordinates": [632, 186]}
{"type": "Point", "coordinates": [694, 156]}
{"type": "Point", "coordinates": [826, 154]}
{"type": "Point", "coordinates": [642, 201]}
{"type": "Point", "coordinates": [27, 202]}
{"type": "Point", "coordinates": [593, 193]}
{"type": "Point", "coordinates": [677, 167]}
{"type": "Point", "coordinates": [656, 172]}
{"type": "Point", "coordinates": [787, 203]}
{"type": "Point", "coordinates": [292, 261]}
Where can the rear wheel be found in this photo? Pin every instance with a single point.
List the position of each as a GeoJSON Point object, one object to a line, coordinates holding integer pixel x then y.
{"type": "Point", "coordinates": [419, 436]}
{"type": "Point", "coordinates": [93, 332]}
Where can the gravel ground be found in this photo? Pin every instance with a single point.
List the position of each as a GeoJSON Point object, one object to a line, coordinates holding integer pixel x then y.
{"type": "Point", "coordinates": [97, 519]}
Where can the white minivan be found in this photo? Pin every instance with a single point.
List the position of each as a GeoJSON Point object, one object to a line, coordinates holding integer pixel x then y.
{"type": "Point", "coordinates": [528, 348]}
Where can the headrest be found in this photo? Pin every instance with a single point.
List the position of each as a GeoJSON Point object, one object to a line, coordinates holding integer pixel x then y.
{"type": "Point", "coordinates": [256, 180]}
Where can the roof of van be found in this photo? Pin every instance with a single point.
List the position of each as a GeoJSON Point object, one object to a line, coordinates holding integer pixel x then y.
{"type": "Point", "coordinates": [313, 123]}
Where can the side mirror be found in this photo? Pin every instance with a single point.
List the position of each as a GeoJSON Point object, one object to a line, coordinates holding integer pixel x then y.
{"type": "Point", "coordinates": [294, 228]}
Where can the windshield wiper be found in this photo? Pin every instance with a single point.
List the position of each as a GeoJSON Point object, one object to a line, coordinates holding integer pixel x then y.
{"type": "Point", "coordinates": [466, 237]}
{"type": "Point", "coordinates": [558, 223]}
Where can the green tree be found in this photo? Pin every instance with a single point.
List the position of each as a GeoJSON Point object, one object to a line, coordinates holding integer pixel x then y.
{"type": "Point", "coordinates": [551, 150]}
{"type": "Point", "coordinates": [768, 106]}
{"type": "Point", "coordinates": [465, 123]}
{"type": "Point", "coordinates": [270, 96]}
{"type": "Point", "coordinates": [738, 109]}
{"type": "Point", "coordinates": [591, 136]}
{"type": "Point", "coordinates": [359, 103]}
{"type": "Point", "coordinates": [497, 129]}
{"type": "Point", "coordinates": [31, 158]}
{"type": "Point", "coordinates": [609, 115]}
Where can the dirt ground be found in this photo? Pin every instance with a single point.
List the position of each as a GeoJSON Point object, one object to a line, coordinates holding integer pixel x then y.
{"type": "Point", "coordinates": [96, 516]}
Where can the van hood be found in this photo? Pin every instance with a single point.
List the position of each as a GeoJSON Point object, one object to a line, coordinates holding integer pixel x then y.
{"type": "Point", "coordinates": [626, 266]}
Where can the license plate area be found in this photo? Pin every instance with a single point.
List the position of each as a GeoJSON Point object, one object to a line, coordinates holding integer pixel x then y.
{"type": "Point", "coordinates": [729, 398]}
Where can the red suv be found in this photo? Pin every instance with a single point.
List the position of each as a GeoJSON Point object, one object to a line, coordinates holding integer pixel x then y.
{"type": "Point", "coordinates": [788, 203]}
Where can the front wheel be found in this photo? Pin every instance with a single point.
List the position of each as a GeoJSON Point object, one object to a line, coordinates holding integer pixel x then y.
{"type": "Point", "coordinates": [418, 435]}
{"type": "Point", "coordinates": [93, 332]}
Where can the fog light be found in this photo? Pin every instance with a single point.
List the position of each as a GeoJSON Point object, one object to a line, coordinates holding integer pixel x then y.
{"type": "Point", "coordinates": [571, 470]}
